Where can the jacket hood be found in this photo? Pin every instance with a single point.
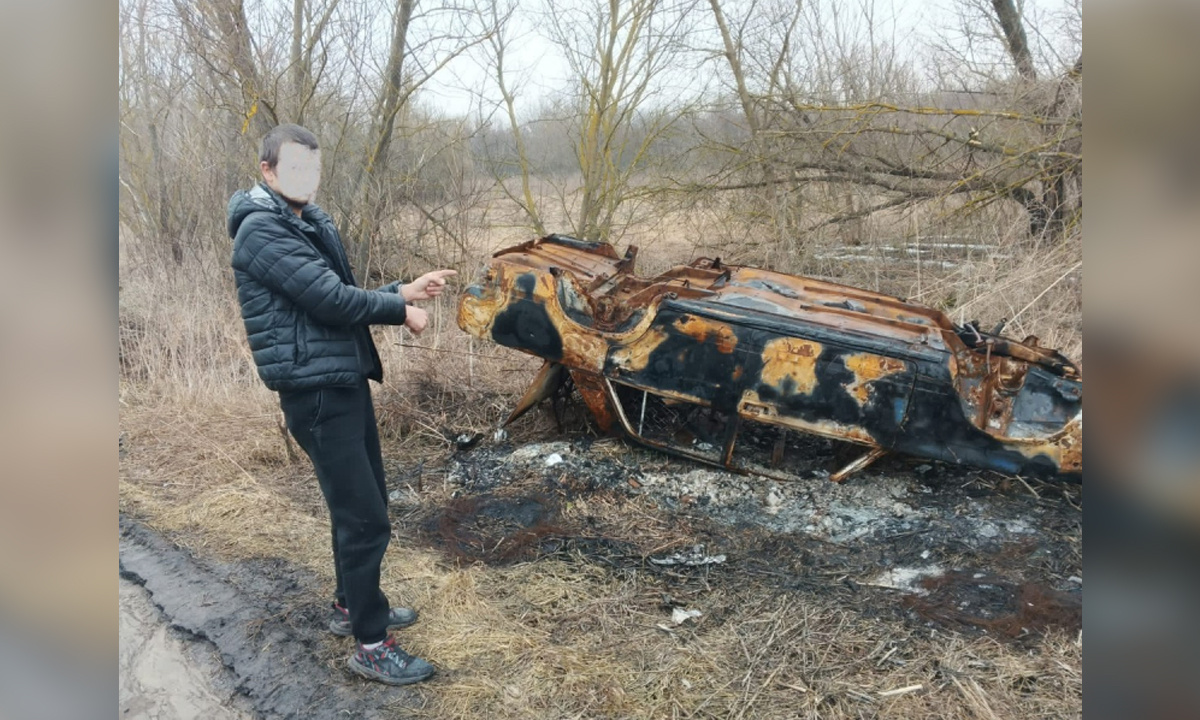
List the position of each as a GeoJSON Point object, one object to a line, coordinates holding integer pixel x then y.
{"type": "Point", "coordinates": [261, 198]}
{"type": "Point", "coordinates": [245, 202]}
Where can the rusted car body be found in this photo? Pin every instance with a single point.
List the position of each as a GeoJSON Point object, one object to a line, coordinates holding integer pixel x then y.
{"type": "Point", "coordinates": [693, 360]}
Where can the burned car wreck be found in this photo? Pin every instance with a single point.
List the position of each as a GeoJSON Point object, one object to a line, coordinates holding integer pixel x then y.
{"type": "Point", "coordinates": [687, 362]}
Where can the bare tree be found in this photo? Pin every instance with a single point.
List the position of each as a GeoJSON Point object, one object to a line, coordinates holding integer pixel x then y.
{"type": "Point", "coordinates": [309, 24]}
{"type": "Point", "coordinates": [1014, 36]}
{"type": "Point", "coordinates": [407, 69]}
{"type": "Point", "coordinates": [219, 35]}
{"type": "Point", "coordinates": [837, 111]}
{"type": "Point", "coordinates": [498, 45]}
{"type": "Point", "coordinates": [200, 82]}
{"type": "Point", "coordinates": [782, 208]}
{"type": "Point", "coordinates": [619, 53]}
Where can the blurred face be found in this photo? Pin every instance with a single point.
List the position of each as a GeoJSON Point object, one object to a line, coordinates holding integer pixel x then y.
{"type": "Point", "coordinates": [297, 174]}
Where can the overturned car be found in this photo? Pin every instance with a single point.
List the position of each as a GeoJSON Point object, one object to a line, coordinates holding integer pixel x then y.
{"type": "Point", "coordinates": [691, 360]}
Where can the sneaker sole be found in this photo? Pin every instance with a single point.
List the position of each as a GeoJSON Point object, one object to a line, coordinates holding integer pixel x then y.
{"type": "Point", "coordinates": [344, 630]}
{"type": "Point", "coordinates": [370, 674]}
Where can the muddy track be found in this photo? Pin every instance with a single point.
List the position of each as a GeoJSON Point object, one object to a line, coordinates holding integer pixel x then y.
{"type": "Point", "coordinates": [269, 646]}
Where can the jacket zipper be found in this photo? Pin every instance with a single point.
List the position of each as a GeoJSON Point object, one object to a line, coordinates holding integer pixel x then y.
{"type": "Point", "coordinates": [301, 341]}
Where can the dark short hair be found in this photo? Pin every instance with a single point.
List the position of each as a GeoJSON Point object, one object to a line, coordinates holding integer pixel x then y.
{"type": "Point", "coordinates": [281, 134]}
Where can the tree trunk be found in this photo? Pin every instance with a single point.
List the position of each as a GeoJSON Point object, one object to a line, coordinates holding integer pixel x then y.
{"type": "Point", "coordinates": [297, 62]}
{"type": "Point", "coordinates": [1014, 37]}
{"type": "Point", "coordinates": [392, 100]}
{"type": "Point", "coordinates": [527, 201]}
{"type": "Point", "coordinates": [779, 210]}
{"type": "Point", "coordinates": [225, 20]}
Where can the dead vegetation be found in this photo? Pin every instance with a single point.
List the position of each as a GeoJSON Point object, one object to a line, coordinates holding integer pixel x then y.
{"type": "Point", "coordinates": [536, 591]}
{"type": "Point", "coordinates": [570, 620]}
{"type": "Point", "coordinates": [536, 586]}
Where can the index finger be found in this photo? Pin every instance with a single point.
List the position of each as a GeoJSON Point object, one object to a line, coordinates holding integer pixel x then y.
{"type": "Point", "coordinates": [442, 274]}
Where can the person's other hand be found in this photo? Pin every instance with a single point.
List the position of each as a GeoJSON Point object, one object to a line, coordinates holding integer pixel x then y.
{"type": "Point", "coordinates": [415, 319]}
{"type": "Point", "coordinates": [429, 285]}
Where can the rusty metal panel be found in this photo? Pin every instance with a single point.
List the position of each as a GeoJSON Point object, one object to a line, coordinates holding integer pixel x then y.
{"type": "Point", "coordinates": [751, 347]}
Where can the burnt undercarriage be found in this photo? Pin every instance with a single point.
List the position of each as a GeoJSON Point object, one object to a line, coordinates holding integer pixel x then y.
{"type": "Point", "coordinates": [728, 365]}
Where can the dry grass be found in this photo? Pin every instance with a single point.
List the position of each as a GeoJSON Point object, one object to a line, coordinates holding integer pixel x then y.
{"type": "Point", "coordinates": [205, 462]}
{"type": "Point", "coordinates": [555, 638]}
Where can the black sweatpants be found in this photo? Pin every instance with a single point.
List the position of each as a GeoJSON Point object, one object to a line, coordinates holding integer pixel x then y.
{"type": "Point", "coordinates": [336, 427]}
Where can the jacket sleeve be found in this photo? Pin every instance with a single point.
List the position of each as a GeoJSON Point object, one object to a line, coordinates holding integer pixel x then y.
{"type": "Point", "coordinates": [392, 287]}
{"type": "Point", "coordinates": [291, 267]}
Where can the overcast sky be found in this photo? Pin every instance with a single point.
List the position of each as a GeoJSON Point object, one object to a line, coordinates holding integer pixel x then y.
{"type": "Point", "coordinates": [539, 71]}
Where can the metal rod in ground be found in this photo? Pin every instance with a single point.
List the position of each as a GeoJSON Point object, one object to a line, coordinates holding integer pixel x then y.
{"type": "Point", "coordinates": [642, 419]}
{"type": "Point", "coordinates": [858, 464]}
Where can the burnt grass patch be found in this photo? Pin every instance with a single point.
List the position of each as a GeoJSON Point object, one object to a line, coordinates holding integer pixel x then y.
{"type": "Point", "coordinates": [934, 545]}
{"type": "Point", "coordinates": [504, 529]}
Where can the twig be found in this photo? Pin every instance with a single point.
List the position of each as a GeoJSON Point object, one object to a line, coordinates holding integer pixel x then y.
{"type": "Point", "coordinates": [1072, 269]}
{"type": "Point", "coordinates": [220, 450]}
{"type": "Point", "coordinates": [766, 683]}
{"type": "Point", "coordinates": [287, 439]}
{"type": "Point", "coordinates": [901, 691]}
{"type": "Point", "coordinates": [449, 352]}
{"type": "Point", "coordinates": [1029, 488]}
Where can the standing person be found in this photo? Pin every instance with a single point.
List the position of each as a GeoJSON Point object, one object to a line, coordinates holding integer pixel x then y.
{"type": "Point", "coordinates": [307, 323]}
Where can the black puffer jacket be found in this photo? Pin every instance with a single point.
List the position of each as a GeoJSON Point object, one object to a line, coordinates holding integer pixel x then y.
{"type": "Point", "coordinates": [305, 316]}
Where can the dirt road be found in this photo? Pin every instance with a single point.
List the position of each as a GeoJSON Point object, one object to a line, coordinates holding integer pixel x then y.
{"type": "Point", "coordinates": [278, 659]}
{"type": "Point", "coordinates": [164, 674]}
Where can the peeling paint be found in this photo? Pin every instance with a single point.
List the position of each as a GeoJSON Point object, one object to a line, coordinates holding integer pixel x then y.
{"type": "Point", "coordinates": [749, 347]}
{"type": "Point", "coordinates": [867, 369]}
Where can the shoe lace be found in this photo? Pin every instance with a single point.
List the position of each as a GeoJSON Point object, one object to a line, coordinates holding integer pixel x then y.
{"type": "Point", "coordinates": [391, 647]}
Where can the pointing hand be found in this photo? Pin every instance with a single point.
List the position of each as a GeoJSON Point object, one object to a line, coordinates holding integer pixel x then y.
{"type": "Point", "coordinates": [429, 285]}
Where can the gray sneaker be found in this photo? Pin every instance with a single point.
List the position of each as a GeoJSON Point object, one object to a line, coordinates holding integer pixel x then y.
{"type": "Point", "coordinates": [389, 664]}
{"type": "Point", "coordinates": [339, 620]}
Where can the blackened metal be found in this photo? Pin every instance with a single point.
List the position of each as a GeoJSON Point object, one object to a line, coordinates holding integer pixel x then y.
{"type": "Point", "coordinates": [759, 348]}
